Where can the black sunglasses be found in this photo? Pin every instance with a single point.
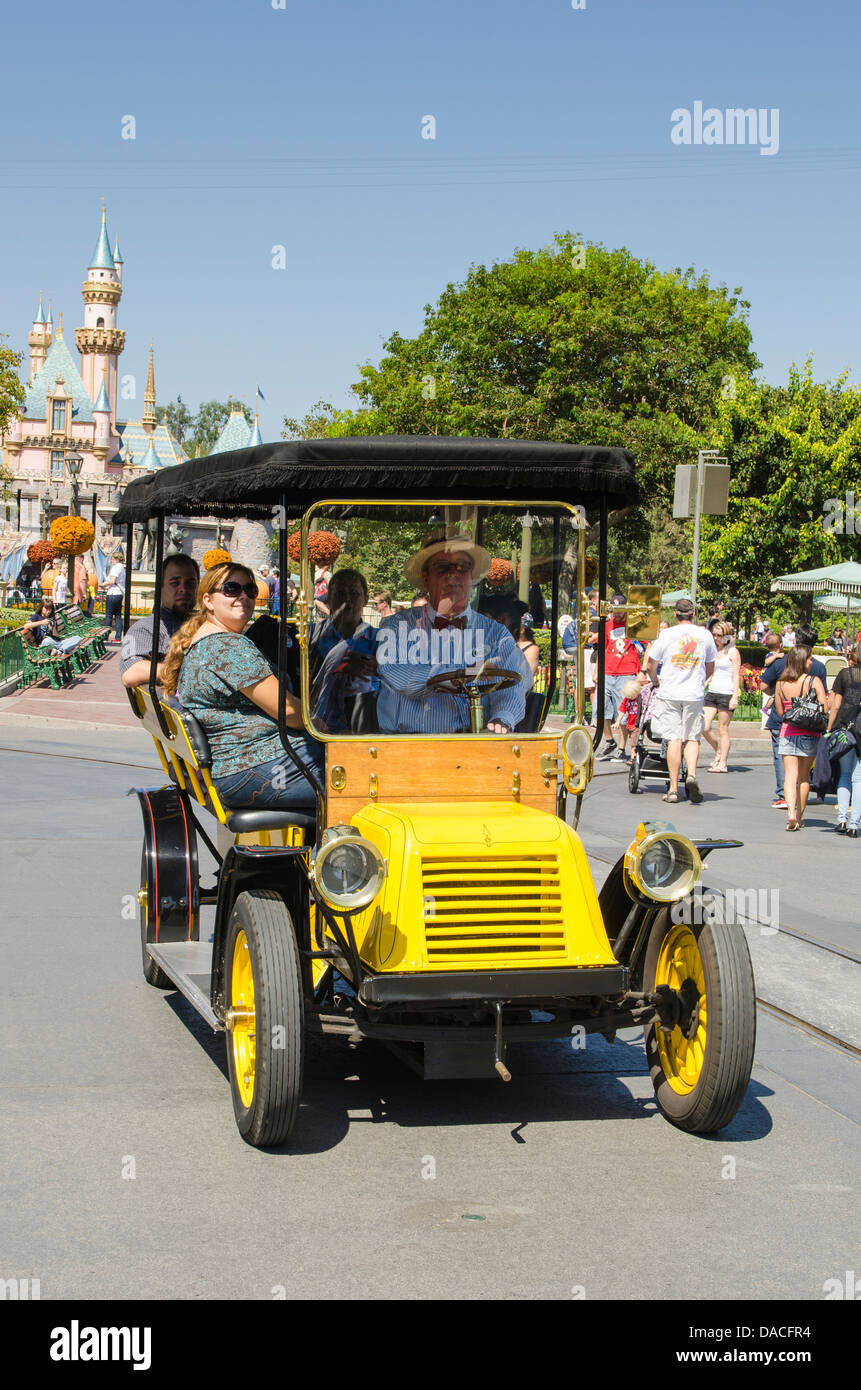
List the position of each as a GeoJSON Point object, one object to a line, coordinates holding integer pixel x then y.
{"type": "Point", "coordinates": [232, 589]}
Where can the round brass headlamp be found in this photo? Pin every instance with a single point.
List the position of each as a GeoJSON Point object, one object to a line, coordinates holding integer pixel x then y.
{"type": "Point", "coordinates": [347, 870]}
{"type": "Point", "coordinates": [661, 864]}
{"type": "Point", "coordinates": [577, 757]}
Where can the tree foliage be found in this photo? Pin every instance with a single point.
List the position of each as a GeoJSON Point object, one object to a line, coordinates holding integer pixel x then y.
{"type": "Point", "coordinates": [315, 425]}
{"type": "Point", "coordinates": [199, 432]}
{"type": "Point", "coordinates": [11, 397]}
{"type": "Point", "coordinates": [792, 450]}
{"type": "Point", "coordinates": [573, 343]}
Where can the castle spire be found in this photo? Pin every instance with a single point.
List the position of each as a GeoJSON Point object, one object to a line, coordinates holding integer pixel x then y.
{"type": "Point", "coordinates": [148, 417]}
{"type": "Point", "coordinates": [102, 258]}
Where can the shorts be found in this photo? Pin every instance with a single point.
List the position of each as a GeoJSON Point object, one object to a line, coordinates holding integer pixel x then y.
{"type": "Point", "coordinates": [798, 745]}
{"type": "Point", "coordinates": [677, 719]}
{"type": "Point", "coordinates": [613, 694]}
{"type": "Point", "coordinates": [717, 699]}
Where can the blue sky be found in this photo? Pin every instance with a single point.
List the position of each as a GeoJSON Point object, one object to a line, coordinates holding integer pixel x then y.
{"type": "Point", "coordinates": [258, 127]}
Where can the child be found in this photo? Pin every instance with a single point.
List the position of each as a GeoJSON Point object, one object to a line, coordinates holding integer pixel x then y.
{"type": "Point", "coordinates": [630, 708]}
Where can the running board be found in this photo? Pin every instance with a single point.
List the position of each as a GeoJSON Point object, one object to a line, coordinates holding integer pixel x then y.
{"type": "Point", "coordinates": [189, 965]}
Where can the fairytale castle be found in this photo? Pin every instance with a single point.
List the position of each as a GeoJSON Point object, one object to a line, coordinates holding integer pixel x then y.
{"type": "Point", "coordinates": [71, 410]}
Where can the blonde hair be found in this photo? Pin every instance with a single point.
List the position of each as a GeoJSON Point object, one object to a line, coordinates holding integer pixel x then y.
{"type": "Point", "coordinates": [722, 629]}
{"type": "Point", "coordinates": [182, 639]}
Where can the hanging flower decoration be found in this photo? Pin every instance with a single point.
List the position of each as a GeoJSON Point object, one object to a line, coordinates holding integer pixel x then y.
{"type": "Point", "coordinates": [216, 556]}
{"type": "Point", "coordinates": [323, 547]}
{"type": "Point", "coordinates": [72, 535]}
{"type": "Point", "coordinates": [41, 553]}
{"type": "Point", "coordinates": [500, 573]}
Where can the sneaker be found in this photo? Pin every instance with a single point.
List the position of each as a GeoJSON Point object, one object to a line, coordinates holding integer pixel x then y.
{"type": "Point", "coordinates": [852, 832]}
{"type": "Point", "coordinates": [779, 803]}
{"type": "Point", "coordinates": [607, 752]}
{"type": "Point", "coordinates": [622, 756]}
{"type": "Point", "coordinates": [841, 828]}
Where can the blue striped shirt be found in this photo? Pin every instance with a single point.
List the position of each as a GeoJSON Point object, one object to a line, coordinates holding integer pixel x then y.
{"type": "Point", "coordinates": [410, 651]}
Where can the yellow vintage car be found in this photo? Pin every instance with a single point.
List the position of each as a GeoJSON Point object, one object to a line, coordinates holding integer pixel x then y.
{"type": "Point", "coordinates": [432, 892]}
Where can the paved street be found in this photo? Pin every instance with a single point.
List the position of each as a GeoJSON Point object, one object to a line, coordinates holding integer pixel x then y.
{"type": "Point", "coordinates": [541, 1186]}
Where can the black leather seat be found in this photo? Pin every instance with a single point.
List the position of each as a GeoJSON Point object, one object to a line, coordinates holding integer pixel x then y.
{"type": "Point", "coordinates": [532, 716]}
{"type": "Point", "coordinates": [245, 819]}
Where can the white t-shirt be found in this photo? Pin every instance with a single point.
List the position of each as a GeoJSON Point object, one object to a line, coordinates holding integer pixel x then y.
{"type": "Point", "coordinates": [682, 653]}
{"type": "Point", "coordinates": [116, 579]}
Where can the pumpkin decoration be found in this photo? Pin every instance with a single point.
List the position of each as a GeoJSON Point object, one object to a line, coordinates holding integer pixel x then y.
{"type": "Point", "coordinates": [323, 547]}
{"type": "Point", "coordinates": [41, 553]}
{"type": "Point", "coordinates": [500, 573]}
{"type": "Point", "coordinates": [216, 557]}
{"type": "Point", "coordinates": [72, 535]}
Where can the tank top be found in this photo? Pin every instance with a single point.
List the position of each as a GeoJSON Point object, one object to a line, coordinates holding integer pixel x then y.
{"type": "Point", "coordinates": [721, 682]}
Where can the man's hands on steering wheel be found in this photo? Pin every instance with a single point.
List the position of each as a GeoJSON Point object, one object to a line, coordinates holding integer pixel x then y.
{"type": "Point", "coordinates": [487, 678]}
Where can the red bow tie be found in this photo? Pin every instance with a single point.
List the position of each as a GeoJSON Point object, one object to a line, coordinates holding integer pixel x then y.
{"type": "Point", "coordinates": [439, 622]}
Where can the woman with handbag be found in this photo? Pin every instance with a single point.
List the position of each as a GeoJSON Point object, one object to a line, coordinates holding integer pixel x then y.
{"type": "Point", "coordinates": [844, 728]}
{"type": "Point", "coordinates": [799, 699]}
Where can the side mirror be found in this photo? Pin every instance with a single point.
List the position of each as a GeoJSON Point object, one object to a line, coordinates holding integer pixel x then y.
{"type": "Point", "coordinates": [643, 618]}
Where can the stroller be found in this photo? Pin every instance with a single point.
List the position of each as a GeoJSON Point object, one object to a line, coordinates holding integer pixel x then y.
{"type": "Point", "coordinates": [649, 757]}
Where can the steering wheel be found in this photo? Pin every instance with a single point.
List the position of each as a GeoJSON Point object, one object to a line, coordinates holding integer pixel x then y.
{"type": "Point", "coordinates": [483, 682]}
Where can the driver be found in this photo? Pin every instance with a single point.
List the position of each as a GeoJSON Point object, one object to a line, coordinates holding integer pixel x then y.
{"type": "Point", "coordinates": [445, 634]}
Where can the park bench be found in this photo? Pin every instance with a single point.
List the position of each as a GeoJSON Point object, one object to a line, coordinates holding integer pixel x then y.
{"type": "Point", "coordinates": [91, 648]}
{"type": "Point", "coordinates": [42, 662]}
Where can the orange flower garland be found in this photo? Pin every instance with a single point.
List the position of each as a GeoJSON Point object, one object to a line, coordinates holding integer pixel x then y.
{"type": "Point", "coordinates": [72, 535]}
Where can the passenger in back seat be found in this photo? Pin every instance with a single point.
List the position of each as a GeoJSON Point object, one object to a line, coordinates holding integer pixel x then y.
{"type": "Point", "coordinates": [223, 679]}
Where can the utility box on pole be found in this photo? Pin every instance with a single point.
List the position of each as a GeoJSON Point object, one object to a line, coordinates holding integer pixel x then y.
{"type": "Point", "coordinates": [715, 495]}
{"type": "Point", "coordinates": [701, 488]}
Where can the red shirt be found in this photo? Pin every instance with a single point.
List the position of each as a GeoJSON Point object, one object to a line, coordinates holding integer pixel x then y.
{"type": "Point", "coordinates": [622, 657]}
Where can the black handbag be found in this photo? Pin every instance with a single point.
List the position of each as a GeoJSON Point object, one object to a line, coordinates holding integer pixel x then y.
{"type": "Point", "coordinates": [806, 713]}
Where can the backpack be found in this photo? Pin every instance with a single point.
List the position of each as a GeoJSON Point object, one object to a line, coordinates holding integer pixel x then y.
{"type": "Point", "coordinates": [850, 710]}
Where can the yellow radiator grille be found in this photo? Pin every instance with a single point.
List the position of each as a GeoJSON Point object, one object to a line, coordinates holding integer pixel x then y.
{"type": "Point", "coordinates": [505, 905]}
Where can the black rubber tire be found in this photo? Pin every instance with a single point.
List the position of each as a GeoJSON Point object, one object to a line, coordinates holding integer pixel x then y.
{"type": "Point", "coordinates": [153, 974]}
{"type": "Point", "coordinates": [730, 1027]}
{"type": "Point", "coordinates": [278, 1004]}
{"type": "Point", "coordinates": [634, 774]}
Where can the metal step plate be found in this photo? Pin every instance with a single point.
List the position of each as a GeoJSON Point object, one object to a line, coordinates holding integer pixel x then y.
{"type": "Point", "coordinates": [189, 965]}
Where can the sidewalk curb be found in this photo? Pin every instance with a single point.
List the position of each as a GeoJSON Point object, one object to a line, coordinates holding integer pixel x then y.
{"type": "Point", "coordinates": [47, 721]}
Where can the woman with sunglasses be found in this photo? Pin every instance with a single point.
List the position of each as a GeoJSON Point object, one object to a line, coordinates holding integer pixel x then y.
{"type": "Point", "coordinates": [220, 677]}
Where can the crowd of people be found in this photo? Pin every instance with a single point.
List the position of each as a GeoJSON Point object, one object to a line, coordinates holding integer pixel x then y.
{"type": "Point", "coordinates": [367, 676]}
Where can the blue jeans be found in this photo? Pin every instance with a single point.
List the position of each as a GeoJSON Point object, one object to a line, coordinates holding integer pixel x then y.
{"type": "Point", "coordinates": [849, 785]}
{"type": "Point", "coordinates": [277, 785]}
{"type": "Point", "coordinates": [114, 613]}
{"type": "Point", "coordinates": [778, 762]}
{"type": "Point", "coordinates": [65, 644]}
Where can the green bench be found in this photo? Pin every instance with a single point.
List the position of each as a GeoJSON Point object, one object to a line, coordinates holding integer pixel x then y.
{"type": "Point", "coordinates": [73, 623]}
{"type": "Point", "coordinates": [40, 662]}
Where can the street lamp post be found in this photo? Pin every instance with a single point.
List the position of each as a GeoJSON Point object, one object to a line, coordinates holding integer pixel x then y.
{"type": "Point", "coordinates": [74, 463]}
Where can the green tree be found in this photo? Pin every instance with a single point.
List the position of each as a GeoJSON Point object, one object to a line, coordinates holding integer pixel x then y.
{"type": "Point", "coordinates": [795, 452]}
{"type": "Point", "coordinates": [178, 418]}
{"type": "Point", "coordinates": [315, 425]}
{"type": "Point", "coordinates": [208, 423]}
{"type": "Point", "coordinates": [573, 343]}
{"type": "Point", "coordinates": [11, 397]}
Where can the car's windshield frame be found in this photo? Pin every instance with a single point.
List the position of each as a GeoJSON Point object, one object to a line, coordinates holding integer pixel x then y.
{"type": "Point", "coordinates": [482, 506]}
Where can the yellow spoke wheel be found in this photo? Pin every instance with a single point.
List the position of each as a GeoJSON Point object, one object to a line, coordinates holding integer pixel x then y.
{"type": "Point", "coordinates": [700, 1080]}
{"type": "Point", "coordinates": [682, 1057]}
{"type": "Point", "coordinates": [265, 1017]}
{"type": "Point", "coordinates": [244, 1031]}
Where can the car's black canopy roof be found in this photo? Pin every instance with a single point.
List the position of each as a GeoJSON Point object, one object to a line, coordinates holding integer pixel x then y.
{"type": "Point", "coordinates": [370, 468]}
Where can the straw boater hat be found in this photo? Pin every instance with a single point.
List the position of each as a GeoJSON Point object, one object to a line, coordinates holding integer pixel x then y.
{"type": "Point", "coordinates": [437, 544]}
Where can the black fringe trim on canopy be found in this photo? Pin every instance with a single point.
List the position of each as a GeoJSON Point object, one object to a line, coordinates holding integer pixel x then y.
{"type": "Point", "coordinates": [251, 482]}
